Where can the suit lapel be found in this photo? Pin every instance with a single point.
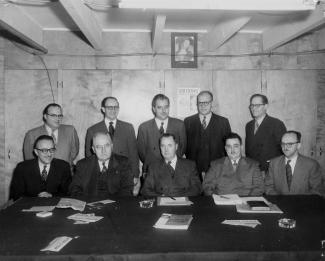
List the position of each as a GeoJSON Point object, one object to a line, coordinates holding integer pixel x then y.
{"type": "Point", "coordinates": [298, 175]}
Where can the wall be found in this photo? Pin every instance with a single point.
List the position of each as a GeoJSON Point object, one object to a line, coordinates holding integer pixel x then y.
{"type": "Point", "coordinates": [80, 77]}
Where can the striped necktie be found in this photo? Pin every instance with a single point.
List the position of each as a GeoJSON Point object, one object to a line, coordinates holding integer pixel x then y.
{"type": "Point", "coordinates": [204, 123]}
{"type": "Point", "coordinates": [44, 173]}
{"type": "Point", "coordinates": [161, 129]}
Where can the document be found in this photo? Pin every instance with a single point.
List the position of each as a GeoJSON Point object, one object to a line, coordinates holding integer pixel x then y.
{"type": "Point", "coordinates": [246, 208]}
{"type": "Point", "coordinates": [241, 222]}
{"type": "Point", "coordinates": [171, 221]}
{"type": "Point", "coordinates": [99, 203]}
{"type": "Point", "coordinates": [227, 199]}
{"type": "Point", "coordinates": [71, 203]}
{"type": "Point", "coordinates": [84, 218]}
{"type": "Point", "coordinates": [57, 244]}
{"type": "Point", "coordinates": [39, 209]}
{"type": "Point", "coordinates": [173, 201]}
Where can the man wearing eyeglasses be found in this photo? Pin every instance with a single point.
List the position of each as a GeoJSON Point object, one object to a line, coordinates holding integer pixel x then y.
{"type": "Point", "coordinates": [263, 133]}
{"type": "Point", "coordinates": [205, 132]}
{"type": "Point", "coordinates": [43, 176]}
{"type": "Point", "coordinates": [122, 134]}
{"type": "Point", "coordinates": [293, 173]}
{"type": "Point", "coordinates": [103, 174]}
{"type": "Point", "coordinates": [233, 174]}
{"type": "Point", "coordinates": [65, 136]}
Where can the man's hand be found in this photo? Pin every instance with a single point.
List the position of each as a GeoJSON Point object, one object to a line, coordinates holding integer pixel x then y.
{"type": "Point", "coordinates": [45, 194]}
{"type": "Point", "coordinates": [137, 185]}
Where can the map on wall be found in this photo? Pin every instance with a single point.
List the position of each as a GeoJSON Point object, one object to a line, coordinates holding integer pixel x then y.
{"type": "Point", "coordinates": [186, 101]}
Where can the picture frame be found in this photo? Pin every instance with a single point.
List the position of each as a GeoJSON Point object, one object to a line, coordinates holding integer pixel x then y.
{"type": "Point", "coordinates": [183, 50]}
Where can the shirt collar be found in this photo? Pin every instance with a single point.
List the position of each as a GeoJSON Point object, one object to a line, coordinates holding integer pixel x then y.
{"type": "Point", "coordinates": [41, 166]}
{"type": "Point", "coordinates": [207, 117]}
{"type": "Point", "coordinates": [101, 164]}
{"type": "Point", "coordinates": [234, 161]}
{"type": "Point", "coordinates": [293, 160]}
{"type": "Point", "coordinates": [259, 121]}
{"type": "Point", "coordinates": [173, 162]}
{"type": "Point", "coordinates": [50, 131]}
{"type": "Point", "coordinates": [107, 121]}
{"type": "Point", "coordinates": [158, 122]}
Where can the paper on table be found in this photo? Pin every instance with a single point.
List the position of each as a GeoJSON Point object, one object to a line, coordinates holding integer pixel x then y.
{"type": "Point", "coordinates": [227, 199]}
{"type": "Point", "coordinates": [39, 209]}
{"type": "Point", "coordinates": [71, 203]}
{"type": "Point", "coordinates": [242, 222]}
{"type": "Point", "coordinates": [244, 207]}
{"type": "Point", "coordinates": [173, 201]}
{"type": "Point", "coordinates": [89, 218]}
{"type": "Point", "coordinates": [171, 221]}
{"type": "Point", "coordinates": [57, 244]}
{"type": "Point", "coordinates": [104, 202]}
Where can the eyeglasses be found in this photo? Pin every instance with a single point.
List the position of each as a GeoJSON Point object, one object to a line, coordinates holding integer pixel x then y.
{"type": "Point", "coordinates": [288, 144]}
{"type": "Point", "coordinates": [204, 103]}
{"type": "Point", "coordinates": [45, 151]}
{"type": "Point", "coordinates": [258, 105]}
{"type": "Point", "coordinates": [111, 108]}
{"type": "Point", "coordinates": [60, 116]}
{"type": "Point", "coordinates": [101, 147]}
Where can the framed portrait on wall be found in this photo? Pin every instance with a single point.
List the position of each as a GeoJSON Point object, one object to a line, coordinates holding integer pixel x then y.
{"type": "Point", "coordinates": [184, 50]}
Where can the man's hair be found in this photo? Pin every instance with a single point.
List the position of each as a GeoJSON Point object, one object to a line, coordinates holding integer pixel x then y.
{"type": "Point", "coordinates": [297, 133]}
{"type": "Point", "coordinates": [204, 92]}
{"type": "Point", "coordinates": [167, 135]}
{"type": "Point", "coordinates": [51, 105]}
{"type": "Point", "coordinates": [108, 98]}
{"type": "Point", "coordinates": [232, 135]}
{"type": "Point", "coordinates": [98, 134]}
{"type": "Point", "coordinates": [159, 97]}
{"type": "Point", "coordinates": [42, 137]}
{"type": "Point", "coordinates": [263, 97]}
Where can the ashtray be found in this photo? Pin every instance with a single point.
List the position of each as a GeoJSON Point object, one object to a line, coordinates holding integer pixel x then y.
{"type": "Point", "coordinates": [287, 223]}
{"type": "Point", "coordinates": [148, 203]}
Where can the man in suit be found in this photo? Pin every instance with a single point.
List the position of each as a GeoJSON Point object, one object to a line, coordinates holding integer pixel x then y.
{"type": "Point", "coordinates": [65, 136]}
{"type": "Point", "coordinates": [293, 173]}
{"type": "Point", "coordinates": [233, 174]}
{"type": "Point", "coordinates": [205, 132]}
{"type": "Point", "coordinates": [171, 176]}
{"type": "Point", "coordinates": [122, 134]}
{"type": "Point", "coordinates": [150, 132]}
{"type": "Point", "coordinates": [263, 133]}
{"type": "Point", "coordinates": [43, 176]}
{"type": "Point", "coordinates": [103, 174]}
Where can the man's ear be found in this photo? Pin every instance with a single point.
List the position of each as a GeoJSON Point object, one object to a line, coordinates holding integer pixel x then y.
{"type": "Point", "coordinates": [36, 152]}
{"type": "Point", "coordinates": [298, 145]}
{"type": "Point", "coordinates": [102, 110]}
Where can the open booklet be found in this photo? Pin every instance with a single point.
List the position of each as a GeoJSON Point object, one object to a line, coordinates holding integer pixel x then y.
{"type": "Point", "coordinates": [257, 205]}
{"type": "Point", "coordinates": [71, 203]}
{"type": "Point", "coordinates": [227, 199]}
{"type": "Point", "coordinates": [173, 201]}
{"type": "Point", "coordinates": [171, 221]}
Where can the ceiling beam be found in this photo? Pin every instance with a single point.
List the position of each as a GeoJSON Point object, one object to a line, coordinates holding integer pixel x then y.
{"type": "Point", "coordinates": [222, 32]}
{"type": "Point", "coordinates": [18, 23]}
{"type": "Point", "coordinates": [85, 20]}
{"type": "Point", "coordinates": [281, 34]}
{"type": "Point", "coordinates": [157, 32]}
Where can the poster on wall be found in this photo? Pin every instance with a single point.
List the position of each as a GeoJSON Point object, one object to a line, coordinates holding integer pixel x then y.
{"type": "Point", "coordinates": [186, 101]}
{"type": "Point", "coordinates": [184, 50]}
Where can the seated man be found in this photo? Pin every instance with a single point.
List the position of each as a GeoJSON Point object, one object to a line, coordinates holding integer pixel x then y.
{"type": "Point", "coordinates": [104, 173]}
{"type": "Point", "coordinates": [233, 174]}
{"type": "Point", "coordinates": [293, 173]}
{"type": "Point", "coordinates": [171, 176]}
{"type": "Point", "coordinates": [43, 176]}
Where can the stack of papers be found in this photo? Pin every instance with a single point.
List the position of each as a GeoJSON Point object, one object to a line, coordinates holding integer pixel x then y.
{"type": "Point", "coordinates": [39, 209]}
{"type": "Point", "coordinates": [100, 203]}
{"type": "Point", "coordinates": [246, 223]}
{"type": "Point", "coordinates": [227, 199]}
{"type": "Point", "coordinates": [245, 208]}
{"type": "Point", "coordinates": [173, 201]}
{"type": "Point", "coordinates": [57, 244]}
{"type": "Point", "coordinates": [71, 203]}
{"type": "Point", "coordinates": [84, 218]}
{"type": "Point", "coordinates": [171, 221]}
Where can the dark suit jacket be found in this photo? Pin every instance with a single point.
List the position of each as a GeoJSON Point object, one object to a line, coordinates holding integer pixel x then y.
{"type": "Point", "coordinates": [124, 142]}
{"type": "Point", "coordinates": [148, 140]}
{"type": "Point", "coordinates": [159, 180]}
{"type": "Point", "coordinates": [306, 179]}
{"type": "Point", "coordinates": [218, 125]}
{"type": "Point", "coordinates": [266, 143]}
{"type": "Point", "coordinates": [120, 180]}
{"type": "Point", "coordinates": [221, 178]}
{"type": "Point", "coordinates": [68, 142]}
{"type": "Point", "coordinates": [26, 180]}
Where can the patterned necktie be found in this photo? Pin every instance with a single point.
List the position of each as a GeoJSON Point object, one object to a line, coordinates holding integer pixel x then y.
{"type": "Point", "coordinates": [234, 165]}
{"type": "Point", "coordinates": [204, 123]}
{"type": "Point", "coordinates": [289, 173]}
{"type": "Point", "coordinates": [104, 169]}
{"type": "Point", "coordinates": [44, 174]}
{"type": "Point", "coordinates": [161, 129]}
{"type": "Point", "coordinates": [111, 129]}
{"type": "Point", "coordinates": [256, 127]}
{"type": "Point", "coordinates": [53, 136]}
{"type": "Point", "coordinates": [171, 169]}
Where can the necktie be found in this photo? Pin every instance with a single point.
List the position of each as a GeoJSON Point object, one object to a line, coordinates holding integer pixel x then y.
{"type": "Point", "coordinates": [44, 173]}
{"type": "Point", "coordinates": [111, 129]}
{"type": "Point", "coordinates": [171, 169]}
{"type": "Point", "coordinates": [104, 169]}
{"type": "Point", "coordinates": [234, 165]}
{"type": "Point", "coordinates": [204, 122]}
{"type": "Point", "coordinates": [53, 136]}
{"type": "Point", "coordinates": [256, 127]}
{"type": "Point", "coordinates": [161, 129]}
{"type": "Point", "coordinates": [289, 173]}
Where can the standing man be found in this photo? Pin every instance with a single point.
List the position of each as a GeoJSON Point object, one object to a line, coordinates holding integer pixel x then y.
{"type": "Point", "coordinates": [150, 132]}
{"type": "Point", "coordinates": [234, 174]}
{"type": "Point", "coordinates": [103, 174]}
{"type": "Point", "coordinates": [43, 176]}
{"type": "Point", "coordinates": [121, 132]}
{"type": "Point", "coordinates": [171, 176]}
{"type": "Point", "coordinates": [293, 173]}
{"type": "Point", "coordinates": [205, 132]}
{"type": "Point", "coordinates": [65, 136]}
{"type": "Point", "coordinates": [263, 133]}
